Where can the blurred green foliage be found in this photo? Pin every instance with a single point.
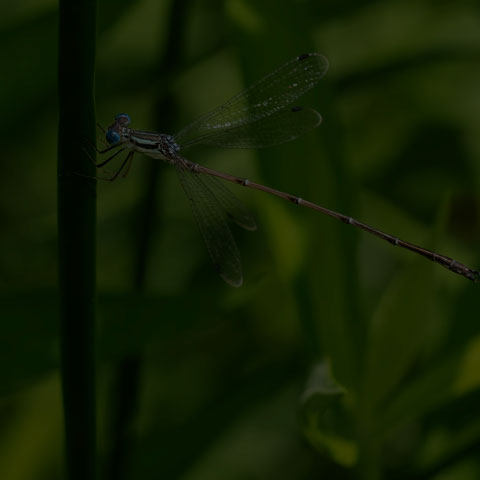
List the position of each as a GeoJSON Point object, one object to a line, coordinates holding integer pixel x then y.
{"type": "Point", "coordinates": [221, 383]}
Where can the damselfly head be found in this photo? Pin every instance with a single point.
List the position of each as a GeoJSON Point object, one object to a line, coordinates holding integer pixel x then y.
{"type": "Point", "coordinates": [114, 132]}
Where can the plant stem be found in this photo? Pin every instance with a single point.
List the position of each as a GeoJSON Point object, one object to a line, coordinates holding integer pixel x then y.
{"type": "Point", "coordinates": [127, 381]}
{"type": "Point", "coordinates": [76, 233]}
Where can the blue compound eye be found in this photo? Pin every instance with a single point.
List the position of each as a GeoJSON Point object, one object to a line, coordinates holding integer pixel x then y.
{"type": "Point", "coordinates": [123, 118]}
{"type": "Point", "coordinates": [112, 137]}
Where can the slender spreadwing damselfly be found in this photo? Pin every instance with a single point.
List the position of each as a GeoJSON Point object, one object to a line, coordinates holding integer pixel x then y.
{"type": "Point", "coordinates": [263, 115]}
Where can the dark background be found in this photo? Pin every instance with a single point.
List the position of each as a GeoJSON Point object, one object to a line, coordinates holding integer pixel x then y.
{"type": "Point", "coordinates": [198, 380]}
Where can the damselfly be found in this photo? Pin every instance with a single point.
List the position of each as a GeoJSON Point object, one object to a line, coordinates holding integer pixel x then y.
{"type": "Point", "coordinates": [260, 116]}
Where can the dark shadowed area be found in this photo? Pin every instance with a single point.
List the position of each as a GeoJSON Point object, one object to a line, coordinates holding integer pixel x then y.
{"type": "Point", "coordinates": [341, 356]}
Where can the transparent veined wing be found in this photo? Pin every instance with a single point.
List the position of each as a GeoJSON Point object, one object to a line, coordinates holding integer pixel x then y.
{"type": "Point", "coordinates": [211, 215]}
{"type": "Point", "coordinates": [280, 127]}
{"type": "Point", "coordinates": [233, 207]}
{"type": "Point", "coordinates": [264, 102]}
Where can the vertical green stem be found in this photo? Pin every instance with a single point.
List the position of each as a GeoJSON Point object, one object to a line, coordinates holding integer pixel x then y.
{"type": "Point", "coordinates": [76, 233]}
{"type": "Point", "coordinates": [128, 373]}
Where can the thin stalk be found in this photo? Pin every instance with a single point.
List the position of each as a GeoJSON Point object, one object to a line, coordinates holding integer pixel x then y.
{"type": "Point", "coordinates": [127, 377]}
{"type": "Point", "coordinates": [76, 233]}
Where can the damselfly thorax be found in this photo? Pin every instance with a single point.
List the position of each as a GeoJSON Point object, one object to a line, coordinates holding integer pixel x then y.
{"type": "Point", "coordinates": [156, 145]}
